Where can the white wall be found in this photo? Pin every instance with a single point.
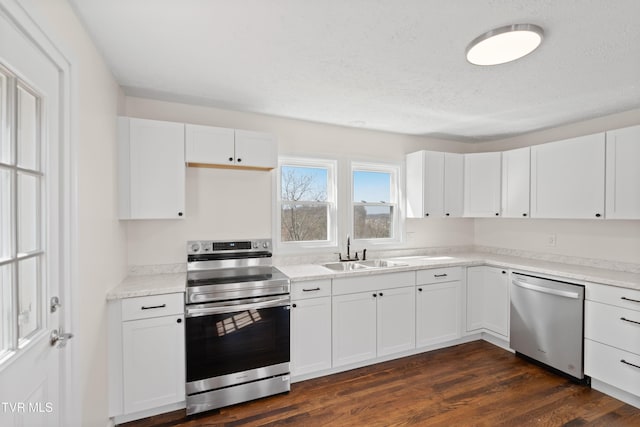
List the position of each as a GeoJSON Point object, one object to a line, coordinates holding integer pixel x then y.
{"type": "Point", "coordinates": [238, 204]}
{"type": "Point", "coordinates": [609, 239]}
{"type": "Point", "coordinates": [101, 247]}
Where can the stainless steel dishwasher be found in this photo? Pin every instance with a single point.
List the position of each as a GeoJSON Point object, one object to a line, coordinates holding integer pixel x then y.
{"type": "Point", "coordinates": [547, 323]}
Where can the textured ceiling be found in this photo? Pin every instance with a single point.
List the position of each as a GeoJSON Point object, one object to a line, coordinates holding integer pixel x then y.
{"type": "Point", "coordinates": [388, 65]}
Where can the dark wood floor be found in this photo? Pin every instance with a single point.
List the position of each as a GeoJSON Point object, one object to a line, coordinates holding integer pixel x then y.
{"type": "Point", "coordinates": [473, 384]}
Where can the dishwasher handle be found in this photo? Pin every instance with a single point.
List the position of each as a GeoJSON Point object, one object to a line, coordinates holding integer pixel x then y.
{"type": "Point", "coordinates": [545, 290]}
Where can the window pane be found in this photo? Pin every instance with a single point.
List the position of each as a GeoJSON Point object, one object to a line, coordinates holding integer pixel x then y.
{"type": "Point", "coordinates": [5, 308]}
{"type": "Point", "coordinates": [304, 184]}
{"type": "Point", "coordinates": [27, 130]}
{"type": "Point", "coordinates": [304, 222]}
{"type": "Point", "coordinates": [371, 187]}
{"type": "Point", "coordinates": [5, 213]}
{"type": "Point", "coordinates": [28, 207]}
{"type": "Point", "coordinates": [372, 222]}
{"type": "Point", "coordinates": [5, 143]}
{"type": "Point", "coordinates": [28, 297]}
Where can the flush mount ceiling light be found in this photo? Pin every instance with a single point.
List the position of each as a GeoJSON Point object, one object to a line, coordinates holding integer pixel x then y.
{"type": "Point", "coordinates": [504, 44]}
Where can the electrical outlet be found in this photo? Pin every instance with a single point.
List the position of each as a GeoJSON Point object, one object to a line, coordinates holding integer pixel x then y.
{"type": "Point", "coordinates": [551, 239]}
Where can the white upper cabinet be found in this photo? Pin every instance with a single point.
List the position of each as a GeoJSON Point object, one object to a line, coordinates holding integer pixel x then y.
{"type": "Point", "coordinates": [425, 184]}
{"type": "Point", "coordinates": [151, 169]}
{"type": "Point", "coordinates": [567, 178]}
{"type": "Point", "coordinates": [623, 173]}
{"type": "Point", "coordinates": [208, 145]}
{"type": "Point", "coordinates": [453, 184]}
{"type": "Point", "coordinates": [482, 173]}
{"type": "Point", "coordinates": [515, 182]}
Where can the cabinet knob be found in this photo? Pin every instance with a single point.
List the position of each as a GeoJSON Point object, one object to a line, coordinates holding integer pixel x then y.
{"type": "Point", "coordinates": [497, 214]}
{"type": "Point", "coordinates": [231, 159]}
{"type": "Point", "coordinates": [598, 215]}
{"type": "Point", "coordinates": [447, 214]}
{"type": "Point", "coordinates": [179, 213]}
{"type": "Point", "coordinates": [426, 214]}
{"type": "Point", "coordinates": [419, 289]}
{"type": "Point", "coordinates": [375, 295]}
{"type": "Point", "coordinates": [239, 160]}
{"type": "Point", "coordinates": [504, 272]}
{"type": "Point", "coordinates": [524, 214]}
{"type": "Point", "coordinates": [179, 321]}
{"type": "Point", "coordinates": [293, 305]}
{"type": "Point", "coordinates": [380, 294]}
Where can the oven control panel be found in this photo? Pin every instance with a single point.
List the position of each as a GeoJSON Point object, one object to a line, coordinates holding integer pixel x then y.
{"type": "Point", "coordinates": [195, 247]}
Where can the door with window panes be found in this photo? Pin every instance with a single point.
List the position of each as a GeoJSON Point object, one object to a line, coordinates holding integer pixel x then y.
{"type": "Point", "coordinates": [30, 263]}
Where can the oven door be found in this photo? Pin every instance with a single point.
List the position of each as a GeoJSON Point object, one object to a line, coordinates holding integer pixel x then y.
{"type": "Point", "coordinates": [234, 342]}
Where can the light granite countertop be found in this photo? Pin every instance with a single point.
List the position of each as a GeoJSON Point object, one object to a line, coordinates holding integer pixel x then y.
{"type": "Point", "coordinates": [171, 282]}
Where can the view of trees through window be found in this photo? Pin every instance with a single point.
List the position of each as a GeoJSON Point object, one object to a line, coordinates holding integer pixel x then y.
{"type": "Point", "coordinates": [373, 209]}
{"type": "Point", "coordinates": [305, 209]}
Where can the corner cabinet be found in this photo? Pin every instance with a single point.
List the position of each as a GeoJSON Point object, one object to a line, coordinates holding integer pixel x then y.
{"type": "Point", "coordinates": [222, 147]}
{"type": "Point", "coordinates": [623, 173]}
{"type": "Point", "coordinates": [488, 301]}
{"type": "Point", "coordinates": [151, 169]}
{"type": "Point", "coordinates": [482, 173]}
{"type": "Point", "coordinates": [568, 178]}
{"type": "Point", "coordinates": [516, 180]}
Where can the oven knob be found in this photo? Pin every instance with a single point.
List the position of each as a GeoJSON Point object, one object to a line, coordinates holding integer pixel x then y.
{"type": "Point", "coordinates": [255, 245]}
{"type": "Point", "coordinates": [265, 245]}
{"type": "Point", "coordinates": [195, 247]}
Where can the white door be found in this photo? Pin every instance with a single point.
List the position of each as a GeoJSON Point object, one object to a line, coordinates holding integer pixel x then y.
{"type": "Point", "coordinates": [515, 183]}
{"type": "Point", "coordinates": [623, 173]}
{"type": "Point", "coordinates": [453, 184]}
{"type": "Point", "coordinates": [30, 251]}
{"type": "Point", "coordinates": [437, 313]}
{"type": "Point", "coordinates": [396, 320]}
{"type": "Point", "coordinates": [310, 335]}
{"type": "Point", "coordinates": [482, 184]}
{"type": "Point", "coordinates": [496, 300]}
{"type": "Point", "coordinates": [209, 145]}
{"type": "Point", "coordinates": [256, 149]}
{"type": "Point", "coordinates": [354, 328]}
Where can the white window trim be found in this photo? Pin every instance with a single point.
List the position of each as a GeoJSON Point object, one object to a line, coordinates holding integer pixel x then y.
{"type": "Point", "coordinates": [397, 185]}
{"type": "Point", "coordinates": [332, 200]}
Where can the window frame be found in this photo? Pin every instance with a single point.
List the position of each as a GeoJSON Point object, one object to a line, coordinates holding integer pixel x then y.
{"type": "Point", "coordinates": [395, 197]}
{"type": "Point", "coordinates": [332, 205]}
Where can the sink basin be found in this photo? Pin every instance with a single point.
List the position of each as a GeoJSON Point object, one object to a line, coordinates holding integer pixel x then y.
{"type": "Point", "coordinates": [381, 263]}
{"type": "Point", "coordinates": [345, 266]}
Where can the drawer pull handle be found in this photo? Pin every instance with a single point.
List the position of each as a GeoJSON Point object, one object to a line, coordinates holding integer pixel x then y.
{"type": "Point", "coordinates": [310, 290]}
{"type": "Point", "coordinates": [629, 299]}
{"type": "Point", "coordinates": [630, 321]}
{"type": "Point", "coordinates": [151, 307]}
{"type": "Point", "coordinates": [440, 275]}
{"type": "Point", "coordinates": [628, 363]}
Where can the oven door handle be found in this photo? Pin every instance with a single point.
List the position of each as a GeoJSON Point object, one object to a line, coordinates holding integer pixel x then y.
{"type": "Point", "coordinates": [222, 308]}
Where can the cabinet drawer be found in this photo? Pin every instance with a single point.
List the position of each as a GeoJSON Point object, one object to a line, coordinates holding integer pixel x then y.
{"type": "Point", "coordinates": [621, 297]}
{"type": "Point", "coordinates": [437, 275]}
{"type": "Point", "coordinates": [152, 306]}
{"type": "Point", "coordinates": [373, 282]}
{"type": "Point", "coordinates": [619, 327]}
{"type": "Point", "coordinates": [310, 289]}
{"type": "Point", "coordinates": [612, 366]}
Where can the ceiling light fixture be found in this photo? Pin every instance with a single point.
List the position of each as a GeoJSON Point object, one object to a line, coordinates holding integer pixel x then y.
{"type": "Point", "coordinates": [504, 44]}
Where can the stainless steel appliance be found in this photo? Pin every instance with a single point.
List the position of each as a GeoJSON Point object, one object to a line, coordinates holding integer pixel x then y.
{"type": "Point", "coordinates": [547, 323]}
{"type": "Point", "coordinates": [237, 316]}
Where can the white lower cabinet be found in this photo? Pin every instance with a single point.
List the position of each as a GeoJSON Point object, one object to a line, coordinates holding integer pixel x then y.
{"type": "Point", "coordinates": [396, 320]}
{"type": "Point", "coordinates": [438, 305]}
{"type": "Point", "coordinates": [146, 355]}
{"type": "Point", "coordinates": [488, 300]}
{"type": "Point", "coordinates": [310, 327]}
{"type": "Point", "coordinates": [354, 328]}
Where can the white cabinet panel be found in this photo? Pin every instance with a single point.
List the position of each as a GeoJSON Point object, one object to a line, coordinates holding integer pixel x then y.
{"type": "Point", "coordinates": [515, 182]}
{"type": "Point", "coordinates": [615, 326]}
{"type": "Point", "coordinates": [437, 313]}
{"type": "Point", "coordinates": [396, 320]}
{"type": "Point", "coordinates": [453, 184]}
{"type": "Point", "coordinates": [310, 335]}
{"type": "Point", "coordinates": [475, 298]}
{"type": "Point", "coordinates": [613, 366]}
{"type": "Point", "coordinates": [209, 145]}
{"type": "Point", "coordinates": [482, 172]}
{"type": "Point", "coordinates": [425, 184]}
{"type": "Point", "coordinates": [153, 362]}
{"type": "Point", "coordinates": [488, 300]}
{"type": "Point", "coordinates": [623, 173]}
{"type": "Point", "coordinates": [256, 149]}
{"type": "Point", "coordinates": [567, 178]}
{"type": "Point", "coordinates": [354, 328]}
{"type": "Point", "coordinates": [151, 169]}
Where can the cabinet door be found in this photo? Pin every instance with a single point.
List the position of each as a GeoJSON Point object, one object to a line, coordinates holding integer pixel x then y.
{"type": "Point", "coordinates": [496, 301]}
{"type": "Point", "coordinates": [209, 145]}
{"type": "Point", "coordinates": [396, 320]}
{"type": "Point", "coordinates": [453, 184]}
{"type": "Point", "coordinates": [156, 169]}
{"type": "Point", "coordinates": [623, 173]}
{"type": "Point", "coordinates": [482, 173]}
{"type": "Point", "coordinates": [153, 362]}
{"type": "Point", "coordinates": [256, 149]}
{"type": "Point", "coordinates": [515, 183]}
{"type": "Point", "coordinates": [354, 328]}
{"type": "Point", "coordinates": [425, 184]}
{"type": "Point", "coordinates": [310, 335]}
{"type": "Point", "coordinates": [567, 178]}
{"type": "Point", "coordinates": [437, 313]}
{"type": "Point", "coordinates": [475, 298]}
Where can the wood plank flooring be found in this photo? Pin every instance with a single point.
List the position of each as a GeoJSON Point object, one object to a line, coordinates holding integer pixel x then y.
{"type": "Point", "coordinates": [473, 384]}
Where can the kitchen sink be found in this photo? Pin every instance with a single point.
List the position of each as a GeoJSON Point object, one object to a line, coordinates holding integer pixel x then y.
{"type": "Point", "coordinates": [381, 263]}
{"type": "Point", "coordinates": [345, 266]}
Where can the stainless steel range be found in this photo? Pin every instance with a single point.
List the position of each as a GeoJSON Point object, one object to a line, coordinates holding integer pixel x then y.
{"type": "Point", "coordinates": [237, 324]}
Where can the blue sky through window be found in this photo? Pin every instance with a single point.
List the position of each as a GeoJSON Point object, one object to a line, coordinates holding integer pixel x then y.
{"type": "Point", "coordinates": [313, 179]}
{"type": "Point", "coordinates": [372, 187]}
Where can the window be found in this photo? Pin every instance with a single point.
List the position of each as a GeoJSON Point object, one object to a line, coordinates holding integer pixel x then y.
{"type": "Point", "coordinates": [21, 182]}
{"type": "Point", "coordinates": [307, 194]}
{"type": "Point", "coordinates": [375, 214]}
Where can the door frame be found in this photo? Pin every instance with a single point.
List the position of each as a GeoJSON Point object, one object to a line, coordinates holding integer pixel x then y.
{"type": "Point", "coordinates": [70, 401]}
